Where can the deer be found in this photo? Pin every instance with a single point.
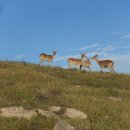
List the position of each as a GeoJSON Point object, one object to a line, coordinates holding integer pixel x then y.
{"type": "Point", "coordinates": [86, 64]}
{"type": "Point", "coordinates": [79, 62]}
{"type": "Point", "coordinates": [48, 58]}
{"type": "Point", "coordinates": [104, 63]}
{"type": "Point", "coordinates": [74, 61]}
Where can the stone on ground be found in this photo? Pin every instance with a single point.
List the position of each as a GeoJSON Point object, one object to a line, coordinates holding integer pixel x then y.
{"type": "Point", "coordinates": [75, 114]}
{"type": "Point", "coordinates": [17, 112]}
{"type": "Point", "coordinates": [47, 113]}
{"type": "Point", "coordinates": [55, 109]}
{"type": "Point", "coordinates": [63, 125]}
{"type": "Point", "coordinates": [115, 99]}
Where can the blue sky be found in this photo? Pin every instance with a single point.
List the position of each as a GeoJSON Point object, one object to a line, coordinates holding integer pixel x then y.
{"type": "Point", "coordinates": [29, 27]}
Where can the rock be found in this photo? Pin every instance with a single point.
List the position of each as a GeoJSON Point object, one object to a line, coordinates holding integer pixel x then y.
{"type": "Point", "coordinates": [47, 113]}
{"type": "Point", "coordinates": [54, 112]}
{"type": "Point", "coordinates": [80, 129]}
{"type": "Point", "coordinates": [63, 125]}
{"type": "Point", "coordinates": [75, 114]}
{"type": "Point", "coordinates": [55, 109]}
{"type": "Point", "coordinates": [115, 99]}
{"type": "Point", "coordinates": [18, 112]}
{"type": "Point", "coordinates": [77, 86]}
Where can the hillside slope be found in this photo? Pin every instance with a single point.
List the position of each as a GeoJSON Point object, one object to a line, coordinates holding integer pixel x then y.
{"type": "Point", "coordinates": [34, 86]}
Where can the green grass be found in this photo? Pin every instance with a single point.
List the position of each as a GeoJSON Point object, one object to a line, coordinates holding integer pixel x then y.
{"type": "Point", "coordinates": [35, 86]}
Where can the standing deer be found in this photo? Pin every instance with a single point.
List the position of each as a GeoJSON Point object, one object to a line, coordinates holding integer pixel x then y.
{"type": "Point", "coordinates": [104, 63]}
{"type": "Point", "coordinates": [79, 62]}
{"type": "Point", "coordinates": [86, 64]}
{"type": "Point", "coordinates": [48, 58]}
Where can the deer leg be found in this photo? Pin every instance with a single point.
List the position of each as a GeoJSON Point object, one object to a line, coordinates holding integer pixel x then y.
{"type": "Point", "coordinates": [80, 68]}
{"type": "Point", "coordinates": [89, 68]}
{"type": "Point", "coordinates": [84, 69]}
{"type": "Point", "coordinates": [41, 62]}
{"type": "Point", "coordinates": [112, 69]}
{"type": "Point", "coordinates": [102, 69]}
{"type": "Point", "coordinates": [49, 63]}
{"type": "Point", "coordinates": [69, 66]}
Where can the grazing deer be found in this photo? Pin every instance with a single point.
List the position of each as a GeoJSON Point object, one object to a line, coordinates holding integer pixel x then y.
{"type": "Point", "coordinates": [78, 62]}
{"type": "Point", "coordinates": [48, 58]}
{"type": "Point", "coordinates": [104, 63]}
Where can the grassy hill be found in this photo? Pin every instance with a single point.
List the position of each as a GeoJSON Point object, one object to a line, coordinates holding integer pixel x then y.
{"type": "Point", "coordinates": [34, 86]}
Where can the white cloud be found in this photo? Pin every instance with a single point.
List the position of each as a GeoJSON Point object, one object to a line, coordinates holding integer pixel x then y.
{"type": "Point", "coordinates": [88, 47]}
{"type": "Point", "coordinates": [84, 47]}
{"type": "Point", "coordinates": [115, 33]}
{"type": "Point", "coordinates": [20, 56]}
{"type": "Point", "coordinates": [120, 58]}
{"type": "Point", "coordinates": [125, 37]}
{"type": "Point", "coordinates": [107, 48]}
{"type": "Point", "coordinates": [127, 47]}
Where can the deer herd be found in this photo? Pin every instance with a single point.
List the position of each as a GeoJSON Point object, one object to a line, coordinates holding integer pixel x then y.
{"type": "Point", "coordinates": [82, 63]}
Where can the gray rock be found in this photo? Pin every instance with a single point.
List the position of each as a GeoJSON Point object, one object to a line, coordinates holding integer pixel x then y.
{"type": "Point", "coordinates": [75, 114]}
{"type": "Point", "coordinates": [47, 113]}
{"type": "Point", "coordinates": [115, 99]}
{"type": "Point", "coordinates": [55, 109]}
{"type": "Point", "coordinates": [18, 112]}
{"type": "Point", "coordinates": [63, 125]}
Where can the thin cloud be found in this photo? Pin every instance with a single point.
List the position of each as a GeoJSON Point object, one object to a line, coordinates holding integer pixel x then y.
{"type": "Point", "coordinates": [84, 47]}
{"type": "Point", "coordinates": [115, 33]}
{"type": "Point", "coordinates": [119, 57]}
{"type": "Point", "coordinates": [107, 48]}
{"type": "Point", "coordinates": [126, 47]}
{"type": "Point", "coordinates": [88, 47]}
{"type": "Point", "coordinates": [125, 37]}
{"type": "Point", "coordinates": [19, 57]}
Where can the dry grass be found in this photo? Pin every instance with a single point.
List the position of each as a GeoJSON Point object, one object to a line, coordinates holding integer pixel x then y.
{"type": "Point", "coordinates": [34, 86]}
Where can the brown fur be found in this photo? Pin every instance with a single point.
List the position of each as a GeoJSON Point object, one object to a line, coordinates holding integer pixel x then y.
{"type": "Point", "coordinates": [46, 57]}
{"type": "Point", "coordinates": [104, 63]}
{"type": "Point", "coordinates": [80, 62]}
{"type": "Point", "coordinates": [74, 61]}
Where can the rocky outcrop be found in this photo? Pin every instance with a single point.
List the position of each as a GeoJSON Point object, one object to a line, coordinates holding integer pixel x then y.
{"type": "Point", "coordinates": [53, 112]}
